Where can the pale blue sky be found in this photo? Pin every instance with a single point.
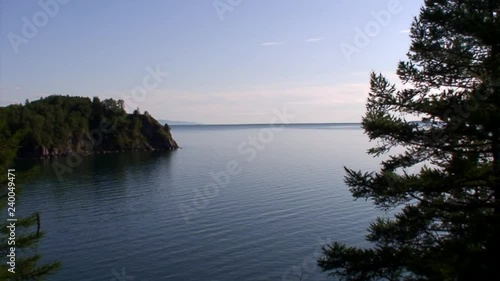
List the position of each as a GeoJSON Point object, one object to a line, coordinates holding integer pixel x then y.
{"type": "Point", "coordinates": [225, 66]}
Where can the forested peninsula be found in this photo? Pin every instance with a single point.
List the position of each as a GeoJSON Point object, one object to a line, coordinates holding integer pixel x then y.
{"type": "Point", "coordinates": [57, 126]}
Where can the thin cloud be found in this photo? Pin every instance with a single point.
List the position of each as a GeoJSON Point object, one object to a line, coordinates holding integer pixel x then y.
{"type": "Point", "coordinates": [271, 43]}
{"type": "Point", "coordinates": [251, 113]}
{"type": "Point", "coordinates": [404, 31]}
{"type": "Point", "coordinates": [325, 101]}
{"type": "Point", "coordinates": [314, 39]}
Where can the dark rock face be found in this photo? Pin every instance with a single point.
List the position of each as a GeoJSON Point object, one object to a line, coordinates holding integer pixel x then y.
{"type": "Point", "coordinates": [156, 134]}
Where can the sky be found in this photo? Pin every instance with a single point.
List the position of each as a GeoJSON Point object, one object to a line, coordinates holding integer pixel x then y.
{"type": "Point", "coordinates": [206, 61]}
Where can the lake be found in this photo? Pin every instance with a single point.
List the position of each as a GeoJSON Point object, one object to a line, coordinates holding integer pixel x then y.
{"type": "Point", "coordinates": [238, 202]}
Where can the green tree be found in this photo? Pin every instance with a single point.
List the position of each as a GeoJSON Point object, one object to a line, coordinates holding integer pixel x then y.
{"type": "Point", "coordinates": [62, 125]}
{"type": "Point", "coordinates": [27, 264]}
{"type": "Point", "coordinates": [447, 222]}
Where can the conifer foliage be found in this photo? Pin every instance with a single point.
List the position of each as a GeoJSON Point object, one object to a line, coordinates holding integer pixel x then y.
{"type": "Point", "coordinates": [447, 218]}
{"type": "Point", "coordinates": [28, 264]}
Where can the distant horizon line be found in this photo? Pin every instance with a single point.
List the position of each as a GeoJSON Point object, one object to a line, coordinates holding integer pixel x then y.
{"type": "Point", "coordinates": [239, 124]}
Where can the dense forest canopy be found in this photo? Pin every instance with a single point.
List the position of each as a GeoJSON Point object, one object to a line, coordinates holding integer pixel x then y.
{"type": "Point", "coordinates": [66, 124]}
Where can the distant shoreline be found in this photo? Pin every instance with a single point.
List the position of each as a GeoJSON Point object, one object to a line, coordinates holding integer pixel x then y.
{"type": "Point", "coordinates": [267, 124]}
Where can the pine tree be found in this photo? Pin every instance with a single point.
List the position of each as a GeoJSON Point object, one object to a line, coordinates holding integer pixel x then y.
{"type": "Point", "coordinates": [27, 229]}
{"type": "Point", "coordinates": [447, 218]}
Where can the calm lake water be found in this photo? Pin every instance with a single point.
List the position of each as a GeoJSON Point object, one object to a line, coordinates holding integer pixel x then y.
{"type": "Point", "coordinates": [162, 216]}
